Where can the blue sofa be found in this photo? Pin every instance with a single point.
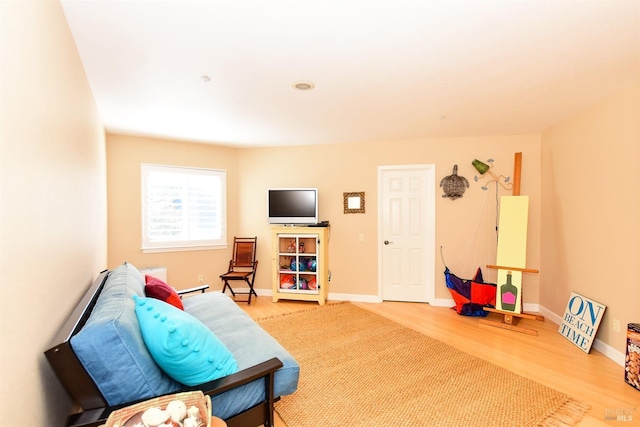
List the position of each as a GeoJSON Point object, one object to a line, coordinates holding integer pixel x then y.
{"type": "Point", "coordinates": [102, 346]}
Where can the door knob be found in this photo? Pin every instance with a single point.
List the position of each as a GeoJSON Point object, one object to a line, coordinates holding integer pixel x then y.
{"type": "Point", "coordinates": [386, 242]}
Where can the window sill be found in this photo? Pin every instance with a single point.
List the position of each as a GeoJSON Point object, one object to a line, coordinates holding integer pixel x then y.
{"type": "Point", "coordinates": [183, 248]}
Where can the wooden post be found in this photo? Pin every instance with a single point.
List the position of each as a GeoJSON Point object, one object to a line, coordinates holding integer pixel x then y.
{"type": "Point", "coordinates": [517, 172]}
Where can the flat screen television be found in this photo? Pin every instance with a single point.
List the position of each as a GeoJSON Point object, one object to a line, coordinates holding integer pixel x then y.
{"type": "Point", "coordinates": [293, 206]}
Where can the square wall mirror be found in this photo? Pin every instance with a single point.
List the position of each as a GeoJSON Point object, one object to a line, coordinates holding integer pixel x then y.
{"type": "Point", "coordinates": [354, 202]}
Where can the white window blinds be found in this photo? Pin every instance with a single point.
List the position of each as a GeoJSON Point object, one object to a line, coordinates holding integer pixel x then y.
{"type": "Point", "coordinates": [182, 208]}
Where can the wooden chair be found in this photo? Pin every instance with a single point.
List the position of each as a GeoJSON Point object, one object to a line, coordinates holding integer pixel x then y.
{"type": "Point", "coordinates": [242, 266]}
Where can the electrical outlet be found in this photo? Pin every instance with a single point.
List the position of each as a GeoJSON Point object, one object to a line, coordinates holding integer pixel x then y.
{"type": "Point", "coordinates": [616, 325]}
{"type": "Point", "coordinates": [200, 278]}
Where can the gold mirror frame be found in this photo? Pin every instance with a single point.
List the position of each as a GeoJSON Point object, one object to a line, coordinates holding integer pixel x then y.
{"type": "Point", "coordinates": [353, 202]}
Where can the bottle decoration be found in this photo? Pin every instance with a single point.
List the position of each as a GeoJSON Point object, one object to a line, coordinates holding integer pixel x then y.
{"type": "Point", "coordinates": [508, 294]}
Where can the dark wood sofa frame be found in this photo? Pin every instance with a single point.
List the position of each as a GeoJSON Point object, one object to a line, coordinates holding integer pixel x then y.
{"type": "Point", "coordinates": [95, 408]}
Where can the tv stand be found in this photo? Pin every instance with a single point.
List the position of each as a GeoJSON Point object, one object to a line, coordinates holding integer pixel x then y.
{"type": "Point", "coordinates": [320, 224]}
{"type": "Point", "coordinates": [300, 263]}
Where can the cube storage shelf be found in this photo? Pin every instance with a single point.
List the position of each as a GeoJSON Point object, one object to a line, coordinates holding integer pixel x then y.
{"type": "Point", "coordinates": [300, 263]}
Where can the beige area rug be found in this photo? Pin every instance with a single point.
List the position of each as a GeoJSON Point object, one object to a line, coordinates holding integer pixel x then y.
{"type": "Point", "coordinates": [361, 369]}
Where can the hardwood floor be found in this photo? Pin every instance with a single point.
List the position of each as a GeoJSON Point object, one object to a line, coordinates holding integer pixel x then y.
{"type": "Point", "coordinates": [548, 358]}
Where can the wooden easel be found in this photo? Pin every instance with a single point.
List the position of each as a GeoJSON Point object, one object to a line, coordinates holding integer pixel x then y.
{"type": "Point", "coordinates": [510, 319]}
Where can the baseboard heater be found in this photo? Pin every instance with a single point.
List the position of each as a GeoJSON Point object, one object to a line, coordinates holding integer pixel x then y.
{"type": "Point", "coordinates": [157, 272]}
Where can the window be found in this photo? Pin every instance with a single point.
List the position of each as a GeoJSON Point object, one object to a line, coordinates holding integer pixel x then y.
{"type": "Point", "coordinates": [183, 208]}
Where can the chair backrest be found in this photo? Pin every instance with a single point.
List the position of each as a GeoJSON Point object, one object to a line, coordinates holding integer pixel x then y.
{"type": "Point", "coordinates": [244, 252]}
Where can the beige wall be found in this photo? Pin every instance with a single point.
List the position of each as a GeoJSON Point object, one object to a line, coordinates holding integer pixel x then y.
{"type": "Point", "coordinates": [124, 156]}
{"type": "Point", "coordinates": [52, 201]}
{"type": "Point", "coordinates": [591, 213]}
{"type": "Point", "coordinates": [464, 227]}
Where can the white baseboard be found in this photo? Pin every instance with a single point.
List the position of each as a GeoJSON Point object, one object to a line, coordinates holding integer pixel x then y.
{"type": "Point", "coordinates": [333, 296]}
{"type": "Point", "coordinates": [548, 314]}
{"type": "Point", "coordinates": [442, 302]}
{"type": "Point", "coordinates": [355, 298]}
{"type": "Point", "coordinates": [263, 292]}
{"type": "Point", "coordinates": [609, 352]}
{"type": "Point", "coordinates": [603, 348]}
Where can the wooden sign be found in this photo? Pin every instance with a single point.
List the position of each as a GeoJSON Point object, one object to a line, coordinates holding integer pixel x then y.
{"type": "Point", "coordinates": [581, 320]}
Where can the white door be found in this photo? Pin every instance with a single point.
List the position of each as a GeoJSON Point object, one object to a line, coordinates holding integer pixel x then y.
{"type": "Point", "coordinates": [406, 232]}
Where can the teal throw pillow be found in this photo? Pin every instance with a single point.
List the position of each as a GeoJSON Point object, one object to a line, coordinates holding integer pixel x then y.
{"type": "Point", "coordinates": [182, 345]}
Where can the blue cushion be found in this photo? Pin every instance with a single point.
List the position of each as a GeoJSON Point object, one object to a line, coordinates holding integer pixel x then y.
{"type": "Point", "coordinates": [181, 345]}
{"type": "Point", "coordinates": [111, 348]}
{"type": "Point", "coordinates": [250, 345]}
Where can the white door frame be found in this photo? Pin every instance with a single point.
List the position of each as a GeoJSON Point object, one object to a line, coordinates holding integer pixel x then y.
{"type": "Point", "coordinates": [431, 225]}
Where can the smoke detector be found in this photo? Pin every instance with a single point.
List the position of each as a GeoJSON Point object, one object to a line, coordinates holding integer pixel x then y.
{"type": "Point", "coordinates": [304, 85]}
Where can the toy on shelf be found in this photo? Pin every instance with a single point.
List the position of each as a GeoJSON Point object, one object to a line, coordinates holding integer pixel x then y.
{"type": "Point", "coordinates": [287, 281]}
{"type": "Point", "coordinates": [300, 265]}
{"type": "Point", "coordinates": [312, 264]}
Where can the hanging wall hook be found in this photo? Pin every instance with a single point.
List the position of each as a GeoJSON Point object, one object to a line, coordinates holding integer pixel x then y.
{"type": "Point", "coordinates": [484, 168]}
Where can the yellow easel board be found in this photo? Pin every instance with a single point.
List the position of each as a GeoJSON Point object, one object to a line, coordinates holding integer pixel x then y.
{"type": "Point", "coordinates": [512, 251]}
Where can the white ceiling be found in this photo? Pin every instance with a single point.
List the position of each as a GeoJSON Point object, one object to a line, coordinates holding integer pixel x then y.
{"type": "Point", "coordinates": [382, 69]}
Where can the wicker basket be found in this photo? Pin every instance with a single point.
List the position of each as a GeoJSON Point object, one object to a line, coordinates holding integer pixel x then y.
{"type": "Point", "coordinates": [192, 398]}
